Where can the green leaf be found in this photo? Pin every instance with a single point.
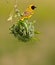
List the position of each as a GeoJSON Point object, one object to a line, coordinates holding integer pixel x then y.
{"type": "Point", "coordinates": [37, 32]}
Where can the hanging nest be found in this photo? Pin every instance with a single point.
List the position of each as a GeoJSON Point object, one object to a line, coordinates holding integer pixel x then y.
{"type": "Point", "coordinates": [23, 30]}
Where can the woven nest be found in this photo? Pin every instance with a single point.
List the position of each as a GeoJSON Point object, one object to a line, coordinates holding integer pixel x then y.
{"type": "Point", "coordinates": [23, 30]}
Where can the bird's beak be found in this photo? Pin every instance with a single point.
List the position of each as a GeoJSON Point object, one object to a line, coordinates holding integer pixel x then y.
{"type": "Point", "coordinates": [35, 7]}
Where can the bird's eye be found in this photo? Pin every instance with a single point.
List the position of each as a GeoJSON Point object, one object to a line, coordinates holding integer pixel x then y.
{"type": "Point", "coordinates": [33, 7]}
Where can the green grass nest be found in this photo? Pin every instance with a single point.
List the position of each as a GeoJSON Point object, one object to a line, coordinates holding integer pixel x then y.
{"type": "Point", "coordinates": [23, 30]}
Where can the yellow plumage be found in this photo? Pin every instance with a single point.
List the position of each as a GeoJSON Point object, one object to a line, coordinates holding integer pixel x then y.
{"type": "Point", "coordinates": [28, 13]}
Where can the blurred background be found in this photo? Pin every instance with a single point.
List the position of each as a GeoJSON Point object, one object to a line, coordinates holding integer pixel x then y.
{"type": "Point", "coordinates": [33, 52]}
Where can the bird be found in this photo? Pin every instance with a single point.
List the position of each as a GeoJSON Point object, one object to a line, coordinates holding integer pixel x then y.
{"type": "Point", "coordinates": [28, 12]}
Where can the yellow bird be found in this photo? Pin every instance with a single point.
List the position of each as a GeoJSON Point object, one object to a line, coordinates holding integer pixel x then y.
{"type": "Point", "coordinates": [29, 12]}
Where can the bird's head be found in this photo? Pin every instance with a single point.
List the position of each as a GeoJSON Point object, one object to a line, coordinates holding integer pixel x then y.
{"type": "Point", "coordinates": [33, 7]}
